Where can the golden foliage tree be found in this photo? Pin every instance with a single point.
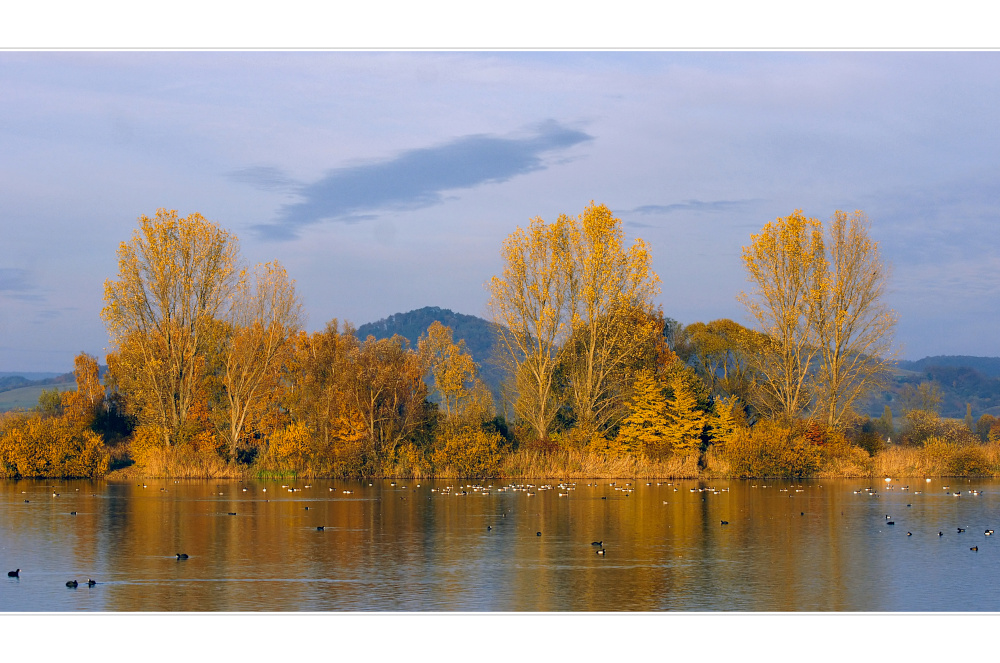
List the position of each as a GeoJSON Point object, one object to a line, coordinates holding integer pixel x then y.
{"type": "Point", "coordinates": [385, 387]}
{"type": "Point", "coordinates": [452, 367]}
{"type": "Point", "coordinates": [611, 300]}
{"type": "Point", "coordinates": [175, 279]}
{"type": "Point", "coordinates": [82, 407]}
{"type": "Point", "coordinates": [720, 353]}
{"type": "Point", "coordinates": [529, 303]}
{"type": "Point", "coordinates": [264, 315]}
{"type": "Point", "coordinates": [854, 326]}
{"type": "Point", "coordinates": [646, 428]}
{"type": "Point", "coordinates": [785, 263]}
{"type": "Point", "coordinates": [686, 421]}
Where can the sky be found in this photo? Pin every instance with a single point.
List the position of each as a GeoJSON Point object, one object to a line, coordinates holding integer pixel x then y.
{"type": "Point", "coordinates": [387, 181]}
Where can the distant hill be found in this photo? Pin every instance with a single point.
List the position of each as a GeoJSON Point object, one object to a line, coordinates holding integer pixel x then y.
{"type": "Point", "coordinates": [988, 366]}
{"type": "Point", "coordinates": [960, 379]}
{"type": "Point", "coordinates": [479, 335]}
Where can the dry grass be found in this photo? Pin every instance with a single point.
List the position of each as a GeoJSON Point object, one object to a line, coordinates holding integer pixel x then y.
{"type": "Point", "coordinates": [572, 464]}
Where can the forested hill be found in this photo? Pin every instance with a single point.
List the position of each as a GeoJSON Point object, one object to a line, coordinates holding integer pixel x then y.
{"type": "Point", "coordinates": [479, 335]}
{"type": "Point", "coordinates": [988, 366]}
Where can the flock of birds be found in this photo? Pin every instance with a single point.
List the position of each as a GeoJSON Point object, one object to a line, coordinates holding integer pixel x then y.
{"type": "Point", "coordinates": [563, 489]}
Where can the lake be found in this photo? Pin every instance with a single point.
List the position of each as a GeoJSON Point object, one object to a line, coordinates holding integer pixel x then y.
{"type": "Point", "coordinates": [449, 545]}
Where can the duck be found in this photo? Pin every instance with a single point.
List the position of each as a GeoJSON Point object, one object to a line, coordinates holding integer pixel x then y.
{"type": "Point", "coordinates": [320, 528]}
{"type": "Point", "coordinates": [940, 533]}
{"type": "Point", "coordinates": [91, 582]}
{"type": "Point", "coordinates": [182, 555]}
{"type": "Point", "coordinates": [601, 551]}
{"type": "Point", "coordinates": [909, 534]}
{"type": "Point", "coordinates": [14, 574]}
{"type": "Point", "coordinates": [538, 533]}
{"type": "Point", "coordinates": [960, 530]}
{"type": "Point", "coordinates": [72, 513]}
{"type": "Point", "coordinates": [724, 522]}
{"type": "Point", "coordinates": [890, 523]}
{"type": "Point", "coordinates": [597, 543]}
{"type": "Point", "coordinates": [989, 532]}
{"type": "Point", "coordinates": [72, 583]}
{"type": "Point", "coordinates": [974, 548]}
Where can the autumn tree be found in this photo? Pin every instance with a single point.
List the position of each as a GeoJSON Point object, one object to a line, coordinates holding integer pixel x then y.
{"type": "Point", "coordinates": [686, 421]}
{"type": "Point", "coordinates": [853, 324]}
{"type": "Point", "coordinates": [720, 352]}
{"type": "Point", "coordinates": [786, 265]}
{"type": "Point", "coordinates": [645, 430]}
{"type": "Point", "coordinates": [451, 366]}
{"type": "Point", "coordinates": [529, 303]}
{"type": "Point", "coordinates": [385, 387]}
{"type": "Point", "coordinates": [83, 406]}
{"type": "Point", "coordinates": [175, 279]}
{"type": "Point", "coordinates": [264, 314]}
{"type": "Point", "coordinates": [925, 397]}
{"type": "Point", "coordinates": [611, 292]}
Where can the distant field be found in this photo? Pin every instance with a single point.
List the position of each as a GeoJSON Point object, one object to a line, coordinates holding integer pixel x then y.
{"type": "Point", "coordinates": [26, 397]}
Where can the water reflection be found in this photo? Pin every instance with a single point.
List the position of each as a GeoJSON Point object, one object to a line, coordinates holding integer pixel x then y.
{"type": "Point", "coordinates": [449, 546]}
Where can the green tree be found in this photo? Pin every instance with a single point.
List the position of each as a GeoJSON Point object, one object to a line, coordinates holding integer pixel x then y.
{"type": "Point", "coordinates": [969, 421]}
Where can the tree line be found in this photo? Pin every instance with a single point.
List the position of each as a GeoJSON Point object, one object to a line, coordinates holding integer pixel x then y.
{"type": "Point", "coordinates": [211, 371]}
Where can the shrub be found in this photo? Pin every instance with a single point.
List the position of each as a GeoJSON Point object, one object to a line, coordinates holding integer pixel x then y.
{"type": "Point", "coordinates": [770, 450]}
{"type": "Point", "coordinates": [470, 451]}
{"type": "Point", "coordinates": [36, 446]}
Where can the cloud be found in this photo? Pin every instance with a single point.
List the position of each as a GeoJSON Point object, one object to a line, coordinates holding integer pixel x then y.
{"type": "Point", "coordinates": [691, 206]}
{"type": "Point", "coordinates": [14, 280]}
{"type": "Point", "coordinates": [265, 178]}
{"type": "Point", "coordinates": [413, 179]}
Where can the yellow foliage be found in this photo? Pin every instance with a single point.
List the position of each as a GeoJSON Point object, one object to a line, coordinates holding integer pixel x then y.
{"type": "Point", "coordinates": [33, 446]}
{"type": "Point", "coordinates": [470, 451]}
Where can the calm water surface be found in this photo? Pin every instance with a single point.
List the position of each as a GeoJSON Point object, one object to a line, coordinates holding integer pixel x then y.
{"type": "Point", "coordinates": [802, 546]}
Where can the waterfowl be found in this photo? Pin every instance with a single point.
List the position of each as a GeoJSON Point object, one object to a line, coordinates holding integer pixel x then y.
{"type": "Point", "coordinates": [91, 582]}
{"type": "Point", "coordinates": [940, 533]}
{"type": "Point", "coordinates": [974, 548]}
{"type": "Point", "coordinates": [232, 513]}
{"type": "Point", "coordinates": [72, 583]}
{"type": "Point", "coordinates": [489, 527]}
{"type": "Point", "coordinates": [989, 532]}
{"type": "Point", "coordinates": [320, 528]}
{"type": "Point", "coordinates": [14, 574]}
{"type": "Point", "coordinates": [725, 522]}
{"type": "Point", "coordinates": [601, 551]}
{"type": "Point", "coordinates": [890, 523]}
{"type": "Point", "coordinates": [72, 513]}
{"type": "Point", "coordinates": [909, 534]}
{"type": "Point", "coordinates": [960, 530]}
{"type": "Point", "coordinates": [597, 543]}
{"type": "Point", "coordinates": [182, 556]}
{"type": "Point", "coordinates": [538, 533]}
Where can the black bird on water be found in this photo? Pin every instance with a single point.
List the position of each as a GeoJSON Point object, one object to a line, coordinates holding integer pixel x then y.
{"type": "Point", "coordinates": [974, 548]}
{"type": "Point", "coordinates": [724, 522]}
{"type": "Point", "coordinates": [890, 523]}
{"type": "Point", "coordinates": [597, 543]}
{"type": "Point", "coordinates": [538, 533]}
{"type": "Point", "coordinates": [91, 582]}
{"type": "Point", "coordinates": [182, 555]}
{"type": "Point", "coordinates": [320, 528]}
{"type": "Point", "coordinates": [940, 533]}
{"type": "Point", "coordinates": [960, 530]}
{"type": "Point", "coordinates": [14, 574]}
{"type": "Point", "coordinates": [72, 583]}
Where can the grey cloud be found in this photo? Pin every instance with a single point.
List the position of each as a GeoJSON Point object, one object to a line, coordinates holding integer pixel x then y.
{"type": "Point", "coordinates": [692, 206]}
{"type": "Point", "coordinates": [414, 179]}
{"type": "Point", "coordinates": [14, 280]}
{"type": "Point", "coordinates": [265, 178]}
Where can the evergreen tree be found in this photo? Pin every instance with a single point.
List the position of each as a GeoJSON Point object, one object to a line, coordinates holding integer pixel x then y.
{"type": "Point", "coordinates": [645, 429]}
{"type": "Point", "coordinates": [887, 427]}
{"type": "Point", "coordinates": [685, 421]}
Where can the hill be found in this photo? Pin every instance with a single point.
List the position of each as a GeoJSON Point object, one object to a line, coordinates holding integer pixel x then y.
{"type": "Point", "coordinates": [479, 335]}
{"type": "Point", "coordinates": [988, 366]}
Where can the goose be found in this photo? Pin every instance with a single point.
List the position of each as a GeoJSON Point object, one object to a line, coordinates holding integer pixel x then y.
{"type": "Point", "coordinates": [72, 583]}
{"type": "Point", "coordinates": [14, 574]}
{"type": "Point", "coordinates": [182, 556]}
